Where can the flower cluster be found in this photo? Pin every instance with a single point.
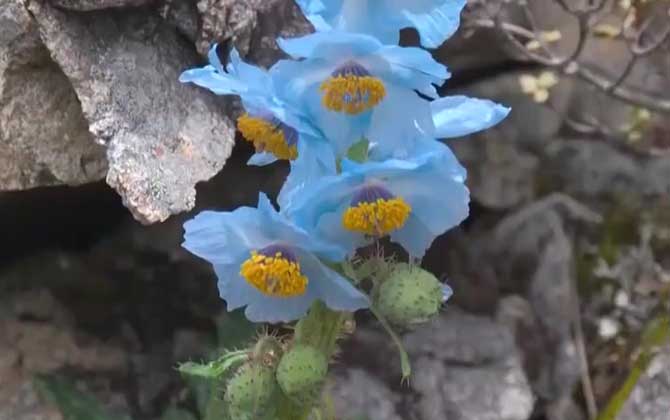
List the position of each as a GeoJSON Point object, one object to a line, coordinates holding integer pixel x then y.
{"type": "Point", "coordinates": [360, 121]}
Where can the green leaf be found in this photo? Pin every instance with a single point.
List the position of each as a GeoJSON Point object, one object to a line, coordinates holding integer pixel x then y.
{"type": "Point", "coordinates": [656, 334]}
{"type": "Point", "coordinates": [73, 404]}
{"type": "Point", "coordinates": [359, 151]}
{"type": "Point", "coordinates": [174, 413]}
{"type": "Point", "coordinates": [214, 369]}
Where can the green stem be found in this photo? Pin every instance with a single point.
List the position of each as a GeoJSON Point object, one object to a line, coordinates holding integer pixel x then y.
{"type": "Point", "coordinates": [320, 328]}
{"type": "Point", "coordinates": [404, 357]}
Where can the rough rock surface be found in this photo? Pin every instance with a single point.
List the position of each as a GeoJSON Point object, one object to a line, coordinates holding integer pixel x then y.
{"type": "Point", "coordinates": [87, 5]}
{"type": "Point", "coordinates": [251, 25]}
{"type": "Point", "coordinates": [357, 394]}
{"type": "Point", "coordinates": [44, 138]}
{"type": "Point", "coordinates": [650, 400]}
{"type": "Point", "coordinates": [468, 367]}
{"type": "Point", "coordinates": [162, 137]}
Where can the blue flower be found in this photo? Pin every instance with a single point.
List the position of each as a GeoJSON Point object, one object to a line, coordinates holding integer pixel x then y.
{"type": "Point", "coordinates": [435, 20]}
{"type": "Point", "coordinates": [352, 86]}
{"type": "Point", "coordinates": [453, 116]}
{"type": "Point", "coordinates": [413, 201]}
{"type": "Point", "coordinates": [269, 265]}
{"type": "Point", "coordinates": [275, 129]}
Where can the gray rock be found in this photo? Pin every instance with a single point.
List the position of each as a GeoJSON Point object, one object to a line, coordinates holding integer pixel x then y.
{"type": "Point", "coordinates": [650, 400]}
{"type": "Point", "coordinates": [468, 367]}
{"type": "Point", "coordinates": [357, 394]}
{"type": "Point", "coordinates": [162, 137]}
{"type": "Point", "coordinates": [595, 169]}
{"type": "Point", "coordinates": [251, 25]}
{"type": "Point", "coordinates": [88, 5]}
{"type": "Point", "coordinates": [44, 138]}
{"type": "Point", "coordinates": [458, 337]}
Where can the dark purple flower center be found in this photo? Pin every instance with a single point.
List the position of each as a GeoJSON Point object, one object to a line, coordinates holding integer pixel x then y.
{"type": "Point", "coordinates": [350, 68]}
{"type": "Point", "coordinates": [286, 252]}
{"type": "Point", "coordinates": [370, 194]}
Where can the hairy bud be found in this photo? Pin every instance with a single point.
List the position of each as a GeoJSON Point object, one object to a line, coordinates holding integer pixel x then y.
{"type": "Point", "coordinates": [301, 374]}
{"type": "Point", "coordinates": [410, 296]}
{"type": "Point", "coordinates": [252, 393]}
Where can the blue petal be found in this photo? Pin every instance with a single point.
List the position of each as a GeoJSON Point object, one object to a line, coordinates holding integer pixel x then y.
{"type": "Point", "coordinates": [330, 287]}
{"type": "Point", "coordinates": [255, 77]}
{"type": "Point", "coordinates": [414, 67]}
{"type": "Point", "coordinates": [434, 24]}
{"type": "Point", "coordinates": [278, 226]}
{"type": "Point", "coordinates": [399, 119]}
{"type": "Point", "coordinates": [219, 83]}
{"type": "Point", "coordinates": [220, 237]}
{"type": "Point", "coordinates": [332, 45]}
{"type": "Point", "coordinates": [262, 159]}
{"type": "Point", "coordinates": [456, 116]}
{"type": "Point", "coordinates": [435, 20]}
{"type": "Point", "coordinates": [316, 159]}
{"type": "Point", "coordinates": [214, 60]}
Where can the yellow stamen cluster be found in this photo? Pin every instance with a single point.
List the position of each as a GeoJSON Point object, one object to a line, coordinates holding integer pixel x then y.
{"type": "Point", "coordinates": [274, 276]}
{"type": "Point", "coordinates": [378, 218]}
{"type": "Point", "coordinates": [266, 137]}
{"type": "Point", "coordinates": [352, 94]}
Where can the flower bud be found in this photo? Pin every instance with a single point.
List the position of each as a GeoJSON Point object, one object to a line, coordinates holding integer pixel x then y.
{"type": "Point", "coordinates": [410, 296]}
{"type": "Point", "coordinates": [252, 392]}
{"type": "Point", "coordinates": [301, 374]}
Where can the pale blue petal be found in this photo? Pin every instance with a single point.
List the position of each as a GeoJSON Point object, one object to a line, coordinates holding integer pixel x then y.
{"type": "Point", "coordinates": [413, 67]}
{"type": "Point", "coordinates": [332, 45]}
{"type": "Point", "coordinates": [278, 226]}
{"type": "Point", "coordinates": [399, 119]}
{"type": "Point", "coordinates": [331, 288]}
{"type": "Point", "coordinates": [435, 20]}
{"type": "Point", "coordinates": [220, 237]}
{"type": "Point", "coordinates": [316, 159]}
{"type": "Point", "coordinates": [255, 77]}
{"type": "Point", "coordinates": [233, 288]}
{"type": "Point", "coordinates": [219, 83]}
{"type": "Point", "coordinates": [262, 159]}
{"type": "Point", "coordinates": [456, 116]}
{"type": "Point", "coordinates": [214, 59]}
{"type": "Point", "coordinates": [434, 24]}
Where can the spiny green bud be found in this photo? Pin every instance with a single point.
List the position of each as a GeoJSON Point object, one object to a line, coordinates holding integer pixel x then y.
{"type": "Point", "coordinates": [410, 296]}
{"type": "Point", "coordinates": [301, 374]}
{"type": "Point", "coordinates": [253, 391]}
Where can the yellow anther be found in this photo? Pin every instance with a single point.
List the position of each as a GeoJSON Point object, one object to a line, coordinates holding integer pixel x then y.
{"type": "Point", "coordinates": [274, 275]}
{"type": "Point", "coordinates": [352, 94]}
{"type": "Point", "coordinates": [377, 218]}
{"type": "Point", "coordinates": [266, 137]}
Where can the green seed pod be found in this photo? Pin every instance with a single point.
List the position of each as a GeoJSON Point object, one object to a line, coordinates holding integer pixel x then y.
{"type": "Point", "coordinates": [252, 391]}
{"type": "Point", "coordinates": [410, 296]}
{"type": "Point", "coordinates": [301, 374]}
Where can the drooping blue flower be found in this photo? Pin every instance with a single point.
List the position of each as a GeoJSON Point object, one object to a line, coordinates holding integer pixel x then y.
{"type": "Point", "coordinates": [277, 130]}
{"type": "Point", "coordinates": [457, 116]}
{"type": "Point", "coordinates": [453, 116]}
{"type": "Point", "coordinates": [353, 86]}
{"type": "Point", "coordinates": [413, 201]}
{"type": "Point", "coordinates": [269, 265]}
{"type": "Point", "coordinates": [435, 20]}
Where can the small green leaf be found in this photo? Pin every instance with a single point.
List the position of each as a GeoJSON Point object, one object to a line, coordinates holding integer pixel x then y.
{"type": "Point", "coordinates": [73, 404]}
{"type": "Point", "coordinates": [214, 369]}
{"type": "Point", "coordinates": [359, 151]}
